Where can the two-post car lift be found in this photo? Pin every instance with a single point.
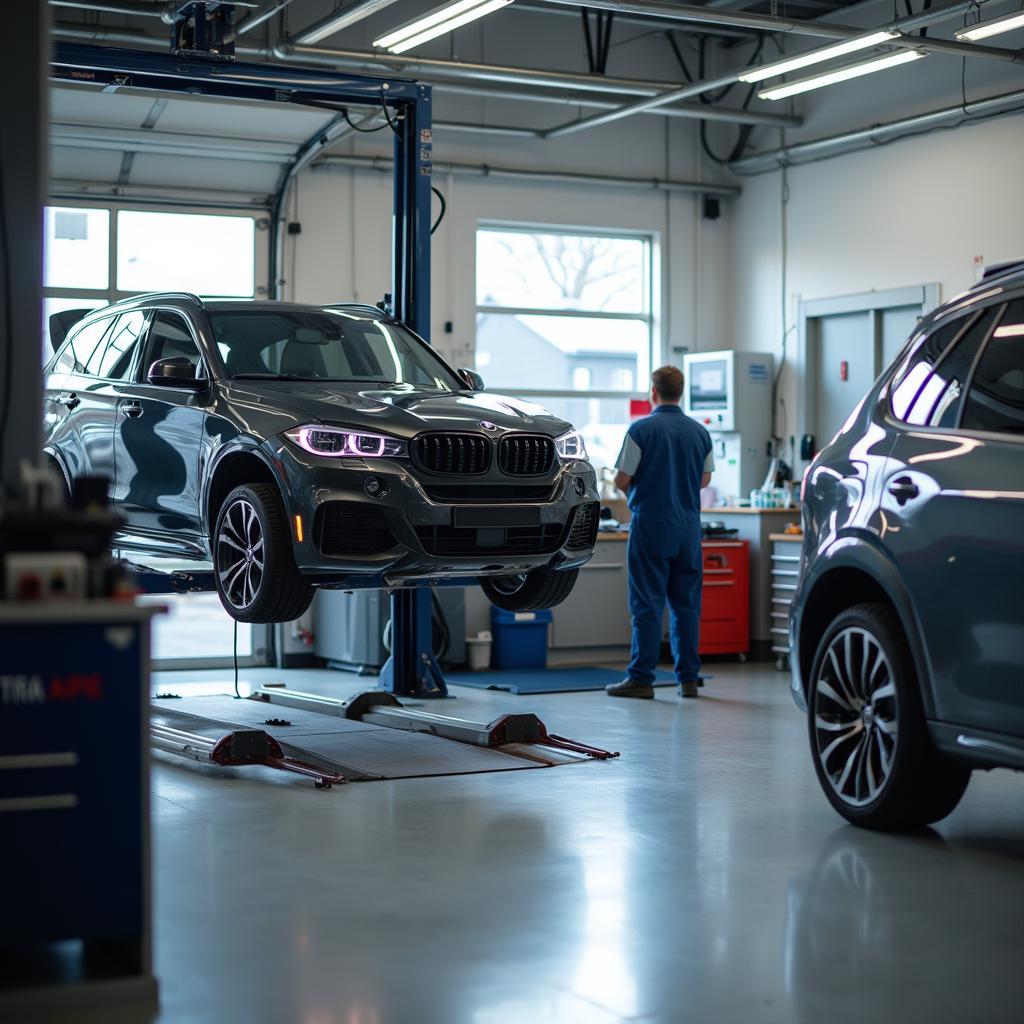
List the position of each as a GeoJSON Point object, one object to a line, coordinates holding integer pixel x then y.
{"type": "Point", "coordinates": [412, 670]}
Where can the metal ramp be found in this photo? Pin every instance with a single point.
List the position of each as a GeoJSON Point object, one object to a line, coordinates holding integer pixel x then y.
{"type": "Point", "coordinates": [370, 737]}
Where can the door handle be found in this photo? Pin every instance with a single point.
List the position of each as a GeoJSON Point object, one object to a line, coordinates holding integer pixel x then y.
{"type": "Point", "coordinates": [903, 489]}
{"type": "Point", "coordinates": [132, 409]}
{"type": "Point", "coordinates": [69, 399]}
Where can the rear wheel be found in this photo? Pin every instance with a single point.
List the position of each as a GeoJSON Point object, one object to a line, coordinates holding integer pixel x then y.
{"type": "Point", "coordinates": [869, 740]}
{"type": "Point", "coordinates": [529, 591]}
{"type": "Point", "coordinates": [255, 570]}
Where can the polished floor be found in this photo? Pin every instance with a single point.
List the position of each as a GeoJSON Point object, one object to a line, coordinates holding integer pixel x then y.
{"type": "Point", "coordinates": [700, 877]}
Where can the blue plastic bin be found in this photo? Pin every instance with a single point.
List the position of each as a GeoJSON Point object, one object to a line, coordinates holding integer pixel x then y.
{"type": "Point", "coordinates": [520, 639]}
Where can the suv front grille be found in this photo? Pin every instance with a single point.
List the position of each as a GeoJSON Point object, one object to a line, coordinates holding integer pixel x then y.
{"type": "Point", "coordinates": [512, 540]}
{"type": "Point", "coordinates": [348, 528]}
{"type": "Point", "coordinates": [506, 494]}
{"type": "Point", "coordinates": [526, 454]}
{"type": "Point", "coordinates": [457, 454]}
{"type": "Point", "coordinates": [583, 533]}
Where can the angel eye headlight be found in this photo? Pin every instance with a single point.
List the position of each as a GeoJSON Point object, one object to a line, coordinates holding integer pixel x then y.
{"type": "Point", "coordinates": [570, 446]}
{"type": "Point", "coordinates": [334, 442]}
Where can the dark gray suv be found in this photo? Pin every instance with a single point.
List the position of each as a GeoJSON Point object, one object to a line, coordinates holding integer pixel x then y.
{"type": "Point", "coordinates": [303, 446]}
{"type": "Point", "coordinates": [907, 627]}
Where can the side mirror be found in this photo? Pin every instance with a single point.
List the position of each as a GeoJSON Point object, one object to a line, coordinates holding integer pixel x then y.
{"type": "Point", "coordinates": [471, 379]}
{"type": "Point", "coordinates": [178, 372]}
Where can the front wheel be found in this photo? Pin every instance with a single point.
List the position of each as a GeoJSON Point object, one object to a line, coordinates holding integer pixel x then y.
{"type": "Point", "coordinates": [254, 567]}
{"type": "Point", "coordinates": [869, 740]}
{"type": "Point", "coordinates": [529, 591]}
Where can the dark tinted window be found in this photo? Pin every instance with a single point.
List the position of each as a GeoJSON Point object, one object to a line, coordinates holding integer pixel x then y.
{"type": "Point", "coordinates": [995, 401]}
{"type": "Point", "coordinates": [113, 358]}
{"type": "Point", "coordinates": [929, 385]}
{"type": "Point", "coordinates": [170, 338]}
{"type": "Point", "coordinates": [81, 346]}
{"type": "Point", "coordinates": [325, 345]}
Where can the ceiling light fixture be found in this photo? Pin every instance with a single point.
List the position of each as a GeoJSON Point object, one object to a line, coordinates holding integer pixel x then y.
{"type": "Point", "coordinates": [437, 23]}
{"type": "Point", "coordinates": [803, 60]}
{"type": "Point", "coordinates": [778, 92]}
{"type": "Point", "coordinates": [338, 20]}
{"type": "Point", "coordinates": [995, 27]}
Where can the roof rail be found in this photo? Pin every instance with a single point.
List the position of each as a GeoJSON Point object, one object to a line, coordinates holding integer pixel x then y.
{"type": "Point", "coordinates": [356, 305]}
{"type": "Point", "coordinates": [998, 269]}
{"type": "Point", "coordinates": [191, 296]}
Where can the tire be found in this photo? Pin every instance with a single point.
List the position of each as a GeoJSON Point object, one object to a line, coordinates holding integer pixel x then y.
{"type": "Point", "coordinates": [870, 745]}
{"type": "Point", "coordinates": [531, 591]}
{"type": "Point", "coordinates": [252, 589]}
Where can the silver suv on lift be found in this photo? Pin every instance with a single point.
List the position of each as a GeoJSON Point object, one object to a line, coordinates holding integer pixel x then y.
{"type": "Point", "coordinates": [907, 628]}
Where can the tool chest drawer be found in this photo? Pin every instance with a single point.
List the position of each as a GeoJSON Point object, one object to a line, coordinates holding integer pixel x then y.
{"type": "Point", "coordinates": [785, 572]}
{"type": "Point", "coordinates": [725, 603]}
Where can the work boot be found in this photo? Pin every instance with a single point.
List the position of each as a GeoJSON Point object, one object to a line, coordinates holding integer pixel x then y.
{"type": "Point", "coordinates": [630, 688]}
{"type": "Point", "coordinates": [691, 688]}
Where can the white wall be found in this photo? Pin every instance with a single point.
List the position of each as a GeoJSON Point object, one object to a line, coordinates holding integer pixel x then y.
{"type": "Point", "coordinates": [911, 212]}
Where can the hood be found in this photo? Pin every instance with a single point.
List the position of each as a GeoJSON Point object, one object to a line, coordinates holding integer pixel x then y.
{"type": "Point", "coordinates": [401, 410]}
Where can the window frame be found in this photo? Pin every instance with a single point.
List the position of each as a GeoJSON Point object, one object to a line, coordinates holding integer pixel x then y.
{"type": "Point", "coordinates": [1001, 436]}
{"type": "Point", "coordinates": [112, 293]}
{"type": "Point", "coordinates": [141, 371]}
{"type": "Point", "coordinates": [649, 316]}
{"type": "Point", "coordinates": [970, 314]}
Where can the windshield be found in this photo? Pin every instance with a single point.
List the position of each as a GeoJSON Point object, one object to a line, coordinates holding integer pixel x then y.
{"type": "Point", "coordinates": [329, 345]}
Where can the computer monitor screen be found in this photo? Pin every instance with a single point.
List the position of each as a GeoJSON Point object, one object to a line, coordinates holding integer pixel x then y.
{"type": "Point", "coordinates": [709, 388]}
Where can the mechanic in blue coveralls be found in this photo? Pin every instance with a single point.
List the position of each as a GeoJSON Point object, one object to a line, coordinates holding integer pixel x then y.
{"type": "Point", "coordinates": [665, 461]}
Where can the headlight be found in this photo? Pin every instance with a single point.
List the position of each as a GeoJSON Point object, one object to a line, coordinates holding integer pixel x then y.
{"type": "Point", "coordinates": [336, 443]}
{"type": "Point", "coordinates": [571, 446]}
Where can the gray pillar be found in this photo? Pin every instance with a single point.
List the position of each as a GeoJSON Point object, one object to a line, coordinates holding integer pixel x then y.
{"type": "Point", "coordinates": [23, 146]}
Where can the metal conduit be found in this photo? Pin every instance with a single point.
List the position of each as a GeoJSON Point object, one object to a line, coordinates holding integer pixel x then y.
{"type": "Point", "coordinates": [613, 88]}
{"type": "Point", "coordinates": [376, 163]}
{"type": "Point", "coordinates": [864, 138]}
{"type": "Point", "coordinates": [696, 88]}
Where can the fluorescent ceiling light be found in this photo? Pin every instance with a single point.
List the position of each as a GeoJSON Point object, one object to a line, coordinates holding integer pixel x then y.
{"type": "Point", "coordinates": [340, 19]}
{"type": "Point", "coordinates": [778, 92]}
{"type": "Point", "coordinates": [995, 27]}
{"type": "Point", "coordinates": [437, 23]}
{"type": "Point", "coordinates": [803, 60]}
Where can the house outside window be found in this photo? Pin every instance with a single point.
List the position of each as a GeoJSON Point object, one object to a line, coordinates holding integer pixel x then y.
{"type": "Point", "coordinates": [565, 318]}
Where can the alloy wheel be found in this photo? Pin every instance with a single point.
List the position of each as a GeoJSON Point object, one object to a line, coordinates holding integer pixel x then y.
{"type": "Point", "coordinates": [856, 716]}
{"type": "Point", "coordinates": [241, 554]}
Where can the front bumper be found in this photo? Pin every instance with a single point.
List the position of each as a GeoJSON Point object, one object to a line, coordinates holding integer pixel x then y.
{"type": "Point", "coordinates": [311, 482]}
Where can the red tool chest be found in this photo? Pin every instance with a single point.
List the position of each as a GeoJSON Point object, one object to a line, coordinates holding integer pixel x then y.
{"type": "Point", "coordinates": [725, 605]}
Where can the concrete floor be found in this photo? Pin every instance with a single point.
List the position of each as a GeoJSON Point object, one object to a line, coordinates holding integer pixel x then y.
{"type": "Point", "coordinates": [700, 877]}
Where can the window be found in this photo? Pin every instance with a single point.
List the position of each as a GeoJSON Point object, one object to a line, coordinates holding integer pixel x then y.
{"type": "Point", "coordinates": [330, 345]}
{"type": "Point", "coordinates": [209, 255]}
{"type": "Point", "coordinates": [995, 401]}
{"type": "Point", "coordinates": [170, 338]}
{"type": "Point", "coordinates": [930, 382]}
{"type": "Point", "coordinates": [150, 250]}
{"type": "Point", "coordinates": [81, 346]}
{"type": "Point", "coordinates": [113, 359]}
{"type": "Point", "coordinates": [566, 317]}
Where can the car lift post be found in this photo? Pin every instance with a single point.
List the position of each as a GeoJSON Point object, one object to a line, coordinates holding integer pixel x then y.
{"type": "Point", "coordinates": [412, 670]}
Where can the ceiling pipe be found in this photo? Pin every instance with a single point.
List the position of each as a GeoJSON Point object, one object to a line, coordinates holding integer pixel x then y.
{"type": "Point", "coordinates": [696, 88]}
{"type": "Point", "coordinates": [539, 7]}
{"type": "Point", "coordinates": [378, 163]}
{"type": "Point", "coordinates": [864, 138]}
{"type": "Point", "coordinates": [134, 10]}
{"type": "Point", "coordinates": [607, 93]}
{"type": "Point", "coordinates": [340, 18]}
{"type": "Point", "coordinates": [254, 20]}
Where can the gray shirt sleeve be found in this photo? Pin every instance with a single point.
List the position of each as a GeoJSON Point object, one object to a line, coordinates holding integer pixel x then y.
{"type": "Point", "coordinates": [709, 462]}
{"type": "Point", "coordinates": [628, 460]}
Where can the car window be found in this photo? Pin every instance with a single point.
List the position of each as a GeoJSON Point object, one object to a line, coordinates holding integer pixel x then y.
{"type": "Point", "coordinates": [929, 383]}
{"type": "Point", "coordinates": [995, 400]}
{"type": "Point", "coordinates": [80, 347]}
{"type": "Point", "coordinates": [170, 337]}
{"type": "Point", "coordinates": [325, 345]}
{"type": "Point", "coordinates": [113, 359]}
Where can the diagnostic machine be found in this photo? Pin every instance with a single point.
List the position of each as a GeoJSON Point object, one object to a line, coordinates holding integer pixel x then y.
{"type": "Point", "coordinates": [730, 394]}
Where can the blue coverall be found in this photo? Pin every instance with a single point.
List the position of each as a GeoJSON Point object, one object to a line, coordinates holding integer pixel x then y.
{"type": "Point", "coordinates": [666, 453]}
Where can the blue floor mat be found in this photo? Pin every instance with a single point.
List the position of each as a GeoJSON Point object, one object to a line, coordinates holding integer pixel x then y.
{"type": "Point", "coordinates": [550, 680]}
